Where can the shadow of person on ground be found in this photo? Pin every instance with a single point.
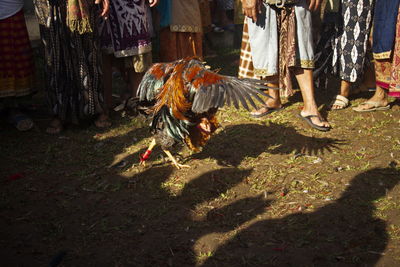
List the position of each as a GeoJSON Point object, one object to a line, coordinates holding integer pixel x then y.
{"type": "Point", "coordinates": [166, 231]}
{"type": "Point", "coordinates": [345, 232]}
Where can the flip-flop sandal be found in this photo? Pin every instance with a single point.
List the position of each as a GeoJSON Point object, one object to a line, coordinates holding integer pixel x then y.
{"type": "Point", "coordinates": [313, 125]}
{"type": "Point", "coordinates": [375, 106]}
{"type": "Point", "coordinates": [262, 114]}
{"type": "Point", "coordinates": [229, 27]}
{"type": "Point", "coordinates": [21, 122]}
{"type": "Point", "coordinates": [218, 29]}
{"type": "Point", "coordinates": [341, 101]}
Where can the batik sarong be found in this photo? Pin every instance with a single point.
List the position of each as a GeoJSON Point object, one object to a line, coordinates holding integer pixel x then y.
{"type": "Point", "coordinates": [16, 59]}
{"type": "Point", "coordinates": [342, 47]}
{"type": "Point", "coordinates": [388, 70]}
{"type": "Point", "coordinates": [127, 31]}
{"type": "Point", "coordinates": [72, 63]}
{"type": "Point", "coordinates": [385, 20]}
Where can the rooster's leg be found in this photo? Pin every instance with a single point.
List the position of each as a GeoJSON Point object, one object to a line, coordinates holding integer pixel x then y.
{"type": "Point", "coordinates": [146, 155]}
{"type": "Point", "coordinates": [174, 160]}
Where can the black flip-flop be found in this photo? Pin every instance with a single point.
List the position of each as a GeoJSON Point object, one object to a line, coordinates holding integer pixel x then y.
{"type": "Point", "coordinates": [309, 122]}
{"type": "Point", "coordinates": [270, 110]}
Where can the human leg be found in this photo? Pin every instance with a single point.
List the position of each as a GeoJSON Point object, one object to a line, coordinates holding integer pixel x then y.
{"type": "Point", "coordinates": [368, 83]}
{"type": "Point", "coordinates": [379, 101]}
{"type": "Point", "coordinates": [107, 80]}
{"type": "Point", "coordinates": [341, 100]}
{"type": "Point", "coordinates": [55, 126]}
{"type": "Point", "coordinates": [15, 116]}
{"type": "Point", "coordinates": [16, 69]}
{"type": "Point", "coordinates": [271, 104]}
{"type": "Point", "coordinates": [134, 81]}
{"type": "Point", "coordinates": [304, 78]}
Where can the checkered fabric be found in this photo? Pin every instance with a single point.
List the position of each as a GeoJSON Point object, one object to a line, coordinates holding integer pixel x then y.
{"type": "Point", "coordinates": [246, 69]}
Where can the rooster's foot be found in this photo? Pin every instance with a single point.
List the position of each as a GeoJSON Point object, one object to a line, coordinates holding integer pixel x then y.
{"type": "Point", "coordinates": [180, 166]}
{"type": "Point", "coordinates": [174, 161]}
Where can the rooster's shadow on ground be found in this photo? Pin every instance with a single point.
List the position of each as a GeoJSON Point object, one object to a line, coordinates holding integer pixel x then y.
{"type": "Point", "coordinates": [237, 142]}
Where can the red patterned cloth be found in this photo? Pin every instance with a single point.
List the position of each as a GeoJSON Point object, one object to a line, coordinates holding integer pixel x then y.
{"type": "Point", "coordinates": [388, 70]}
{"type": "Point", "coordinates": [16, 59]}
{"type": "Point", "coordinates": [176, 45]}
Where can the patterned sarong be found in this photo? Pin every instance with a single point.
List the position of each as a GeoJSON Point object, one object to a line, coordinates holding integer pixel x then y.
{"type": "Point", "coordinates": [72, 63]}
{"type": "Point", "coordinates": [127, 31]}
{"type": "Point", "coordinates": [16, 61]}
{"type": "Point", "coordinates": [182, 35]}
{"type": "Point", "coordinates": [388, 70]}
{"type": "Point", "coordinates": [176, 45]}
{"type": "Point", "coordinates": [385, 17]}
{"type": "Point", "coordinates": [342, 47]}
{"type": "Point", "coordinates": [287, 31]}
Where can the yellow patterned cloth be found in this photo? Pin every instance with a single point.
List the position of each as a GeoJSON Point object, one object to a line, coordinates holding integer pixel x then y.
{"type": "Point", "coordinates": [16, 59]}
{"type": "Point", "coordinates": [238, 16]}
{"type": "Point", "coordinates": [186, 16]}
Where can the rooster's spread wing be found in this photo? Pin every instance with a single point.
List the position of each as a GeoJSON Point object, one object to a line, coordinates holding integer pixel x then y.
{"type": "Point", "coordinates": [212, 90]}
{"type": "Point", "coordinates": [153, 80]}
{"type": "Point", "coordinates": [200, 88]}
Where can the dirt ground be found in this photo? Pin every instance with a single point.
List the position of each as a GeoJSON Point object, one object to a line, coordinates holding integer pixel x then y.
{"type": "Point", "coordinates": [265, 192]}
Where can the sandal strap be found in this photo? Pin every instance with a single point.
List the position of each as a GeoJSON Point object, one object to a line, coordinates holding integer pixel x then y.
{"type": "Point", "coordinates": [374, 104]}
{"type": "Point", "coordinates": [340, 101]}
{"type": "Point", "coordinates": [343, 99]}
{"type": "Point", "coordinates": [310, 116]}
{"type": "Point", "coordinates": [315, 116]}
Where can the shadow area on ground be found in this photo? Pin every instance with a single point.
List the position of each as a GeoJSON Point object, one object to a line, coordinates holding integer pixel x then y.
{"type": "Point", "coordinates": [145, 223]}
{"type": "Point", "coordinates": [237, 142]}
{"type": "Point", "coordinates": [164, 226]}
{"type": "Point", "coordinates": [186, 227]}
{"type": "Point", "coordinates": [344, 233]}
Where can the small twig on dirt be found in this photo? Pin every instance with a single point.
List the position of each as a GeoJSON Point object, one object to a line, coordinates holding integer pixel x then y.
{"type": "Point", "coordinates": [93, 225]}
{"type": "Point", "coordinates": [172, 253]}
{"type": "Point", "coordinates": [376, 252]}
{"type": "Point", "coordinates": [24, 217]}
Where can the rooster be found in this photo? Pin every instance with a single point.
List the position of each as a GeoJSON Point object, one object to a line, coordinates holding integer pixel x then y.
{"type": "Point", "coordinates": [183, 97]}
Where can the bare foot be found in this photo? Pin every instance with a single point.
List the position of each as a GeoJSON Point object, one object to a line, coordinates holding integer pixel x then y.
{"type": "Point", "coordinates": [103, 121]}
{"type": "Point", "coordinates": [362, 88]}
{"type": "Point", "coordinates": [270, 106]}
{"type": "Point", "coordinates": [379, 101]}
{"type": "Point", "coordinates": [316, 119]}
{"type": "Point", "coordinates": [371, 105]}
{"type": "Point", "coordinates": [55, 127]}
{"type": "Point", "coordinates": [340, 102]}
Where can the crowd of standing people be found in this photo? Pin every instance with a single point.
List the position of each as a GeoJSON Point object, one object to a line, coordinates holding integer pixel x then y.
{"type": "Point", "coordinates": [85, 40]}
